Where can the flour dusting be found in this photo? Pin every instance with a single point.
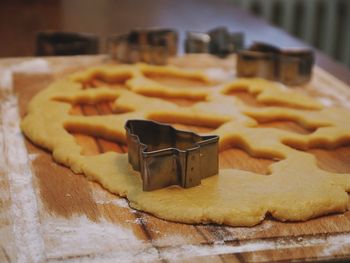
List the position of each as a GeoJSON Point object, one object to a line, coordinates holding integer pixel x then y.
{"type": "Point", "coordinates": [103, 197]}
{"type": "Point", "coordinates": [219, 74]}
{"type": "Point", "coordinates": [326, 102]}
{"type": "Point", "coordinates": [121, 202]}
{"type": "Point", "coordinates": [24, 208]}
{"type": "Point", "coordinates": [32, 156]}
{"type": "Point", "coordinates": [99, 240]}
{"type": "Point", "coordinates": [33, 66]}
{"type": "Point", "coordinates": [336, 244]}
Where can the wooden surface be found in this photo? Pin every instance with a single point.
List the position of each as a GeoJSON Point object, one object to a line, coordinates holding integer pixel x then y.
{"type": "Point", "coordinates": [47, 213]}
{"type": "Point", "coordinates": [105, 17]}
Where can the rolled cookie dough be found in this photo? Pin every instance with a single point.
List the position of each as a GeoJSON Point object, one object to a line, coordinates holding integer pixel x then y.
{"type": "Point", "coordinates": [295, 188]}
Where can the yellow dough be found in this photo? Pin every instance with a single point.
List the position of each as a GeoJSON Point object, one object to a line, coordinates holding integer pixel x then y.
{"type": "Point", "coordinates": [295, 189]}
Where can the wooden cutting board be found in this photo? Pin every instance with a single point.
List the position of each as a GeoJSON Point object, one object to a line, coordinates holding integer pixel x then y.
{"type": "Point", "coordinates": [49, 214]}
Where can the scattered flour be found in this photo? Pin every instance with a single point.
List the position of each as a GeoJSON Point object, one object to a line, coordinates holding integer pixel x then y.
{"type": "Point", "coordinates": [32, 156]}
{"type": "Point", "coordinates": [102, 197]}
{"type": "Point", "coordinates": [121, 202]}
{"type": "Point", "coordinates": [336, 244]}
{"type": "Point", "coordinates": [326, 102]}
{"type": "Point", "coordinates": [249, 232]}
{"type": "Point", "coordinates": [33, 66]}
{"type": "Point", "coordinates": [24, 209]}
{"type": "Point", "coordinates": [219, 74]}
{"type": "Point", "coordinates": [118, 201]}
{"type": "Point", "coordinates": [101, 240]}
{"type": "Point", "coordinates": [28, 242]}
{"type": "Point", "coordinates": [140, 221]}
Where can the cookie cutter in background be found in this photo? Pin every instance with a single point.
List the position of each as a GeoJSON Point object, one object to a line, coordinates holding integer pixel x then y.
{"type": "Point", "coordinates": [197, 42]}
{"type": "Point", "coordinates": [218, 41]}
{"type": "Point", "coordinates": [289, 66]}
{"type": "Point", "coordinates": [153, 46]}
{"type": "Point", "coordinates": [56, 43]}
{"type": "Point", "coordinates": [166, 156]}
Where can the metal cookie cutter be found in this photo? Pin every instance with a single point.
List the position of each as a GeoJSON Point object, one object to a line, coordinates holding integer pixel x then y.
{"type": "Point", "coordinates": [151, 45]}
{"type": "Point", "coordinates": [57, 43]}
{"type": "Point", "coordinates": [289, 66]}
{"type": "Point", "coordinates": [218, 41]}
{"type": "Point", "coordinates": [197, 42]}
{"type": "Point", "coordinates": [166, 156]}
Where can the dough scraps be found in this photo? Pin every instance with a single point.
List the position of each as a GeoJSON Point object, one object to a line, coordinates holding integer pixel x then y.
{"type": "Point", "coordinates": [295, 188]}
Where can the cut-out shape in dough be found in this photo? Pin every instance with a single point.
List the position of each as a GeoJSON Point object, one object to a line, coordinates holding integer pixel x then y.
{"type": "Point", "coordinates": [336, 160]}
{"type": "Point", "coordinates": [295, 189]}
{"type": "Point", "coordinates": [198, 120]}
{"type": "Point", "coordinates": [236, 158]}
{"type": "Point", "coordinates": [177, 82]}
{"type": "Point", "coordinates": [98, 83]}
{"type": "Point", "coordinates": [316, 141]}
{"type": "Point", "coordinates": [95, 145]}
{"type": "Point", "coordinates": [101, 108]}
{"type": "Point", "coordinates": [246, 97]}
{"type": "Point", "coordinates": [182, 102]}
{"type": "Point", "coordinates": [287, 126]}
{"type": "Point", "coordinates": [172, 77]}
{"type": "Point", "coordinates": [271, 95]}
{"type": "Point", "coordinates": [98, 79]}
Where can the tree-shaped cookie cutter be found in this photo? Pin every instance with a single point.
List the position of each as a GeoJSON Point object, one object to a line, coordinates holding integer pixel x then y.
{"type": "Point", "coordinates": [166, 156]}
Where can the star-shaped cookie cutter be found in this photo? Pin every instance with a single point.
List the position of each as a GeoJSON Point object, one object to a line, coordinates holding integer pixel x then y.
{"type": "Point", "coordinates": [166, 156]}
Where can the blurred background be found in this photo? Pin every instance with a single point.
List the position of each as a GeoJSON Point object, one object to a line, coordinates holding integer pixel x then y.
{"type": "Point", "coordinates": [324, 24]}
